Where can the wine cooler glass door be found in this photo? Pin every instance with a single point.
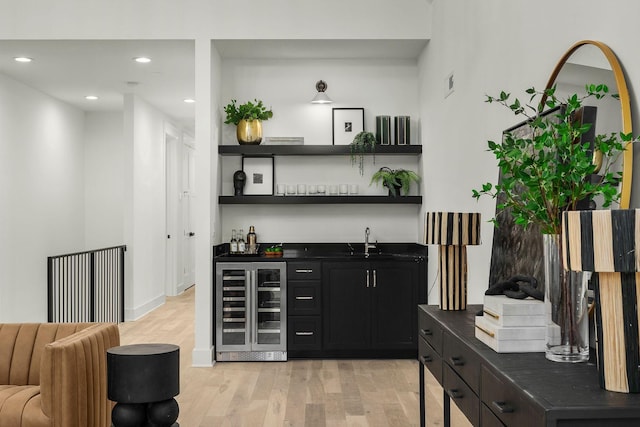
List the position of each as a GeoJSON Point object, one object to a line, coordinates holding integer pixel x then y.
{"type": "Point", "coordinates": [233, 301]}
{"type": "Point", "coordinates": [270, 310]}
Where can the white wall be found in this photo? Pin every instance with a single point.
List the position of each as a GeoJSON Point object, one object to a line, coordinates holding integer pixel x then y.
{"type": "Point", "coordinates": [145, 208]}
{"type": "Point", "coordinates": [42, 209]}
{"type": "Point", "coordinates": [381, 87]}
{"type": "Point", "coordinates": [104, 179]}
{"type": "Point", "coordinates": [498, 45]}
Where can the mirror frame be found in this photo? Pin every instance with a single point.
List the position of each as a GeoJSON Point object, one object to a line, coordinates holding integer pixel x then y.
{"type": "Point", "coordinates": [625, 107]}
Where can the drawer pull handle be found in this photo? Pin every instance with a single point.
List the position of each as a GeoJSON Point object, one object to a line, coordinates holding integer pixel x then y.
{"type": "Point", "coordinates": [491, 313]}
{"type": "Point", "coordinates": [304, 334]}
{"type": "Point", "coordinates": [426, 332]}
{"type": "Point", "coordinates": [457, 361]}
{"type": "Point", "coordinates": [502, 407]}
{"type": "Point", "coordinates": [426, 359]}
{"type": "Point", "coordinates": [480, 328]}
{"type": "Point", "coordinates": [455, 393]}
{"type": "Point", "coordinates": [302, 270]}
{"type": "Point", "coordinates": [304, 297]}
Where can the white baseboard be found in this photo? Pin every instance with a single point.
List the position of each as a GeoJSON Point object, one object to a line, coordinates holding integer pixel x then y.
{"type": "Point", "coordinates": [202, 357]}
{"type": "Point", "coordinates": [131, 314]}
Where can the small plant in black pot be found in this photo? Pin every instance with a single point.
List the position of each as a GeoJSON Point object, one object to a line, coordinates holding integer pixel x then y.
{"type": "Point", "coordinates": [398, 181]}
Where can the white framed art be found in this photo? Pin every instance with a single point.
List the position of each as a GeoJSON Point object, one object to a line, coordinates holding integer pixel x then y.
{"type": "Point", "coordinates": [347, 123]}
{"type": "Point", "coordinates": [259, 171]}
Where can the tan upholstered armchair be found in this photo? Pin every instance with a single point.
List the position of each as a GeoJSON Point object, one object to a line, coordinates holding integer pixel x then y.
{"type": "Point", "coordinates": [54, 374]}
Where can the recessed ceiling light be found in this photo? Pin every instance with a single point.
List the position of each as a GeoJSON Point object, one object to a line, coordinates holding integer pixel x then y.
{"type": "Point", "coordinates": [22, 59]}
{"type": "Point", "coordinates": [91, 97]}
{"type": "Point", "coordinates": [142, 59]}
{"type": "Point", "coordinates": [189, 100]}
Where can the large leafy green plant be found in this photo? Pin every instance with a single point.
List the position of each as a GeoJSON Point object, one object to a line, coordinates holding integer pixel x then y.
{"type": "Point", "coordinates": [551, 169]}
{"type": "Point", "coordinates": [247, 111]}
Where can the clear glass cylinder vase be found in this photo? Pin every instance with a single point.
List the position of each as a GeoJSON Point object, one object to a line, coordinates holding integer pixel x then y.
{"type": "Point", "coordinates": [567, 306]}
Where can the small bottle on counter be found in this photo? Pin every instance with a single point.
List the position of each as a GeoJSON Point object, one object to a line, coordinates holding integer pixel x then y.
{"type": "Point", "coordinates": [252, 241]}
{"type": "Point", "coordinates": [233, 245]}
{"type": "Point", "coordinates": [242, 246]}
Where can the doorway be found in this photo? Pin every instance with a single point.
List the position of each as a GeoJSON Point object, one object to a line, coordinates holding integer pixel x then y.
{"type": "Point", "coordinates": [188, 236]}
{"type": "Point", "coordinates": [172, 212]}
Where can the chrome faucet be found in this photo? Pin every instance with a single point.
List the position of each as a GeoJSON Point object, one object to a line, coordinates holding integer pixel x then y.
{"type": "Point", "coordinates": [367, 245]}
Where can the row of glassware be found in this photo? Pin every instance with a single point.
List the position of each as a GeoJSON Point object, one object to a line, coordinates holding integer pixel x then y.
{"type": "Point", "coordinates": [316, 189]}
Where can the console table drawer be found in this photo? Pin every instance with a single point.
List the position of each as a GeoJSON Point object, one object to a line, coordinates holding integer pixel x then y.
{"type": "Point", "coordinates": [466, 400]}
{"type": "Point", "coordinates": [508, 403]}
{"type": "Point", "coordinates": [430, 330]}
{"type": "Point", "coordinates": [429, 358]}
{"type": "Point", "coordinates": [463, 360]}
{"type": "Point", "coordinates": [488, 418]}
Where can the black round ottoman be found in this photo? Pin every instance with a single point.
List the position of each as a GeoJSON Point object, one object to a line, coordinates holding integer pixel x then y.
{"type": "Point", "coordinates": [143, 380]}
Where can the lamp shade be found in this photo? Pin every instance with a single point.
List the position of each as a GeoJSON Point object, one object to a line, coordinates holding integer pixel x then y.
{"type": "Point", "coordinates": [602, 240]}
{"type": "Point", "coordinates": [452, 228]}
{"type": "Point", "coordinates": [321, 98]}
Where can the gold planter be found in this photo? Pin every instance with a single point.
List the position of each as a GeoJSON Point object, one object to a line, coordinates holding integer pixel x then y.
{"type": "Point", "coordinates": [249, 132]}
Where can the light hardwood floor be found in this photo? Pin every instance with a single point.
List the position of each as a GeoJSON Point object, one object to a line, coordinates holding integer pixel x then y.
{"type": "Point", "coordinates": [293, 393]}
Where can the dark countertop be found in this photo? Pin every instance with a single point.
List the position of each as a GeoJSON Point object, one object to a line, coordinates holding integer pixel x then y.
{"type": "Point", "coordinates": [354, 251]}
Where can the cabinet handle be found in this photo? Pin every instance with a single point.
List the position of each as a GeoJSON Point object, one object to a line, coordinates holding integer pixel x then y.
{"type": "Point", "coordinates": [367, 278]}
{"type": "Point", "coordinates": [426, 332]}
{"type": "Point", "coordinates": [301, 270]}
{"type": "Point", "coordinates": [502, 407]}
{"type": "Point", "coordinates": [426, 359]}
{"type": "Point", "coordinates": [375, 278]}
{"type": "Point", "coordinates": [457, 361]}
{"type": "Point", "coordinates": [304, 297]}
{"type": "Point", "coordinates": [304, 334]}
{"type": "Point", "coordinates": [455, 393]}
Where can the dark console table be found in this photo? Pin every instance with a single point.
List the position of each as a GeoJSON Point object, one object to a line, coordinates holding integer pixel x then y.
{"type": "Point", "coordinates": [501, 389]}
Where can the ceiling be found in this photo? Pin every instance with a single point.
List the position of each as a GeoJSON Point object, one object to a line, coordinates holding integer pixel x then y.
{"type": "Point", "coordinates": [71, 69]}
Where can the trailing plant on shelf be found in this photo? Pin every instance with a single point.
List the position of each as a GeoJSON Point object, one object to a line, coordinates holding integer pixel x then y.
{"type": "Point", "coordinates": [248, 111]}
{"type": "Point", "coordinates": [398, 181]}
{"type": "Point", "coordinates": [363, 142]}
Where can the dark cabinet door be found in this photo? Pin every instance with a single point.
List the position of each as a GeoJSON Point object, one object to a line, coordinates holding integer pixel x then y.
{"type": "Point", "coordinates": [394, 298]}
{"type": "Point", "coordinates": [346, 306]}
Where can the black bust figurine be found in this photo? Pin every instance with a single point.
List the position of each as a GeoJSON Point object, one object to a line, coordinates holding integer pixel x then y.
{"type": "Point", "coordinates": [239, 179]}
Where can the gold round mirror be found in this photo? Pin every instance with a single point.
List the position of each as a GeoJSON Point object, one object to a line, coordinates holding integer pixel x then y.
{"type": "Point", "coordinates": [593, 62]}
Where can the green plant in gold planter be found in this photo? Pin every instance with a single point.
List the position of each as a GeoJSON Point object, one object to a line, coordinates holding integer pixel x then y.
{"type": "Point", "coordinates": [248, 119]}
{"type": "Point", "coordinates": [363, 142]}
{"type": "Point", "coordinates": [398, 181]}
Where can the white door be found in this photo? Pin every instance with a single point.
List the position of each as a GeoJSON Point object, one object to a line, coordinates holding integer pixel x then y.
{"type": "Point", "coordinates": [188, 243]}
{"type": "Point", "coordinates": [172, 204]}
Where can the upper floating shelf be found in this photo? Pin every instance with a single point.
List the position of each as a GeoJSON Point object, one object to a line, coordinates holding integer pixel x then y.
{"type": "Point", "coordinates": [312, 150]}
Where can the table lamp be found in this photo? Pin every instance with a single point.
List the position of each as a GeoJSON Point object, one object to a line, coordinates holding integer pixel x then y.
{"type": "Point", "coordinates": [453, 231]}
{"type": "Point", "coordinates": [606, 242]}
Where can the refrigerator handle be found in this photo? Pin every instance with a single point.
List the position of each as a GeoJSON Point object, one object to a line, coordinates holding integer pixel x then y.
{"type": "Point", "coordinates": [253, 294]}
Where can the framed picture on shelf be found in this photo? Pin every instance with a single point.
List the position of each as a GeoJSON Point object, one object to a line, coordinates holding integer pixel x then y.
{"type": "Point", "coordinates": [259, 171]}
{"type": "Point", "coordinates": [347, 123]}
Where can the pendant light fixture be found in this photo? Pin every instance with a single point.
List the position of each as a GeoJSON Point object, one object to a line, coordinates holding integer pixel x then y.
{"type": "Point", "coordinates": [321, 97]}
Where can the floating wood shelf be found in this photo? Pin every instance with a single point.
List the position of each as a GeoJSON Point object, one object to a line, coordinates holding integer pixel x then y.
{"type": "Point", "coordinates": [312, 150]}
{"type": "Point", "coordinates": [318, 200]}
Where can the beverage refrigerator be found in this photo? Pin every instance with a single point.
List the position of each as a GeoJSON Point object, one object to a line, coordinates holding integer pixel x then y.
{"type": "Point", "coordinates": [251, 314]}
